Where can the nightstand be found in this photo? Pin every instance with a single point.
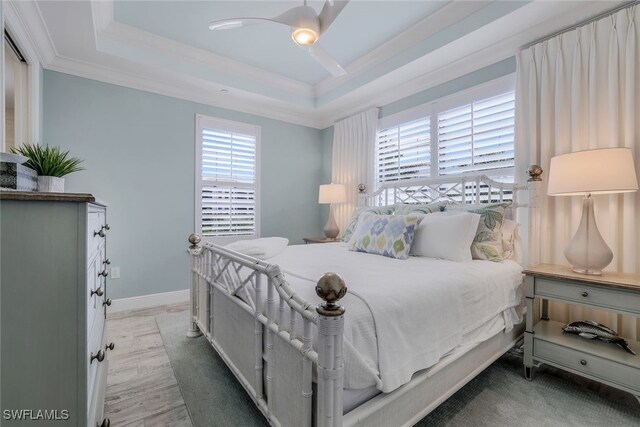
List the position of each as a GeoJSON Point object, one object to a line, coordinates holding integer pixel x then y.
{"type": "Point", "coordinates": [319, 240]}
{"type": "Point", "coordinates": [545, 342]}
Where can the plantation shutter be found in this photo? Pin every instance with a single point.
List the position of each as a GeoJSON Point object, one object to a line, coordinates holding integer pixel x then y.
{"type": "Point", "coordinates": [478, 136]}
{"type": "Point", "coordinates": [228, 183]}
{"type": "Point", "coordinates": [404, 151]}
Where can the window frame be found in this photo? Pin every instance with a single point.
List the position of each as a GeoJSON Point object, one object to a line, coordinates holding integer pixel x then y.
{"type": "Point", "coordinates": [203, 121]}
{"type": "Point", "coordinates": [433, 108]}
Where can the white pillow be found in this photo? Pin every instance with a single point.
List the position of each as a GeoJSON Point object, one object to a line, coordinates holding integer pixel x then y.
{"type": "Point", "coordinates": [446, 235]}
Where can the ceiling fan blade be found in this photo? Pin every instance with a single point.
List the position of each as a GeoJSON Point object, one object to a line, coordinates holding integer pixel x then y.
{"type": "Point", "coordinates": [330, 12]}
{"type": "Point", "coordinates": [324, 59]}
{"type": "Point", "coordinates": [228, 24]}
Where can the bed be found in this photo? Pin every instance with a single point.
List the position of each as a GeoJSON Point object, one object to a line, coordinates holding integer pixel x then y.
{"type": "Point", "coordinates": [383, 355]}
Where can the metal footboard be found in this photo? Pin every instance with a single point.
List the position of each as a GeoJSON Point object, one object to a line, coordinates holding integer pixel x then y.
{"type": "Point", "coordinates": [267, 343]}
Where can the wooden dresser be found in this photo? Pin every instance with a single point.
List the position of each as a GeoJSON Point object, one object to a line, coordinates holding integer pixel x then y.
{"type": "Point", "coordinates": [53, 278]}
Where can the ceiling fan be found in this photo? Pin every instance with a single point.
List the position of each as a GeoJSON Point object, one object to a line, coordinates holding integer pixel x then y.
{"type": "Point", "coordinates": [306, 28]}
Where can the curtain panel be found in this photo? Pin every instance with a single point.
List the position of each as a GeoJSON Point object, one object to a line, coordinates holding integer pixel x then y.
{"type": "Point", "coordinates": [353, 159]}
{"type": "Point", "coordinates": [578, 91]}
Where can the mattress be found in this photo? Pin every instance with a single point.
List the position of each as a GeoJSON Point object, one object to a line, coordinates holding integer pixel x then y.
{"type": "Point", "coordinates": [404, 316]}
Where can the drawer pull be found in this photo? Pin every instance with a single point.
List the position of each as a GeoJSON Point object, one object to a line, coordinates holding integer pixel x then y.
{"type": "Point", "coordinates": [107, 261]}
{"type": "Point", "coordinates": [99, 356]}
{"type": "Point", "coordinates": [98, 292]}
{"type": "Point", "coordinates": [100, 233]}
{"type": "Point", "coordinates": [105, 423]}
{"type": "Point", "coordinates": [583, 362]}
{"type": "Point", "coordinates": [106, 227]}
{"type": "Point", "coordinates": [107, 302]}
{"type": "Point", "coordinates": [111, 346]}
{"type": "Point", "coordinates": [103, 273]}
{"type": "Point", "coordinates": [585, 294]}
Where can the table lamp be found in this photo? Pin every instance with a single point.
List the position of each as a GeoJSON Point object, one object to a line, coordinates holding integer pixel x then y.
{"type": "Point", "coordinates": [587, 173]}
{"type": "Point", "coordinates": [332, 193]}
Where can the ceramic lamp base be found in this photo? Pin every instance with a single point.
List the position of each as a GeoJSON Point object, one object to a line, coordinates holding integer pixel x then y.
{"type": "Point", "coordinates": [587, 252]}
{"type": "Point", "coordinates": [331, 229]}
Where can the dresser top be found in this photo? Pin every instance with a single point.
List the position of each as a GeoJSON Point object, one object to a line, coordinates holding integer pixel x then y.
{"type": "Point", "coordinates": [608, 278]}
{"type": "Point", "coordinates": [49, 197]}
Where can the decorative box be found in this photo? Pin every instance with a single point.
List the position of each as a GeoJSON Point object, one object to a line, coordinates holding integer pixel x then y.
{"type": "Point", "coordinates": [17, 177]}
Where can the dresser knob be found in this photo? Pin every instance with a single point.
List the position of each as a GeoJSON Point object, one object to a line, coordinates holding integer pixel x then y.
{"type": "Point", "coordinates": [107, 302]}
{"type": "Point", "coordinates": [100, 233]}
{"type": "Point", "coordinates": [110, 346]}
{"type": "Point", "coordinates": [98, 292]}
{"type": "Point", "coordinates": [103, 273]}
{"type": "Point", "coordinates": [583, 362]}
{"type": "Point", "coordinates": [106, 227]}
{"type": "Point", "coordinates": [107, 261]}
{"type": "Point", "coordinates": [105, 423]}
{"type": "Point", "coordinates": [99, 356]}
{"type": "Point", "coordinates": [585, 294]}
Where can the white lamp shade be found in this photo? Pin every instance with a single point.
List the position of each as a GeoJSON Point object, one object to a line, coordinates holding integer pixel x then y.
{"type": "Point", "coordinates": [332, 193]}
{"type": "Point", "coordinates": [601, 171]}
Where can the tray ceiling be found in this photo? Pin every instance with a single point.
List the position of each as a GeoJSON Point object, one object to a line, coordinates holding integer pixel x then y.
{"type": "Point", "coordinates": [390, 49]}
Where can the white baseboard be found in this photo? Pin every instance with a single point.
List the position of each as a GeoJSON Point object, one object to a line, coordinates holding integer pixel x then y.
{"type": "Point", "coordinates": [147, 301]}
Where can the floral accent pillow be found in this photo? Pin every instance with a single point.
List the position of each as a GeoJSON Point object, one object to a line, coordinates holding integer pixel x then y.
{"type": "Point", "coordinates": [487, 244]}
{"type": "Point", "coordinates": [387, 235]}
{"type": "Point", "coordinates": [425, 208]}
{"type": "Point", "coordinates": [379, 210]}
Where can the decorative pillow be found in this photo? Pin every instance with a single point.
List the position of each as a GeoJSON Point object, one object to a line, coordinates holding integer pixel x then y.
{"type": "Point", "coordinates": [379, 210]}
{"type": "Point", "coordinates": [487, 244]}
{"type": "Point", "coordinates": [508, 238]}
{"type": "Point", "coordinates": [426, 208]}
{"type": "Point", "coordinates": [446, 235]}
{"type": "Point", "coordinates": [387, 235]}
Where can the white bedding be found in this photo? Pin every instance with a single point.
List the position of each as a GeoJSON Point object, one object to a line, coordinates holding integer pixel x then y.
{"type": "Point", "coordinates": [403, 316]}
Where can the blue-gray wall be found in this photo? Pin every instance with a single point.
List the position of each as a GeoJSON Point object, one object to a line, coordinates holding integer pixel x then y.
{"type": "Point", "coordinates": [138, 150]}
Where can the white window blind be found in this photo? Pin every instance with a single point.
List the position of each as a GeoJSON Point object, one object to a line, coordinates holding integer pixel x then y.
{"type": "Point", "coordinates": [404, 151]}
{"type": "Point", "coordinates": [228, 179]}
{"type": "Point", "coordinates": [478, 136]}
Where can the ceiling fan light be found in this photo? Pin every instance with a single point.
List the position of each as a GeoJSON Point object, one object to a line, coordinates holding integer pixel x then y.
{"type": "Point", "coordinates": [304, 36]}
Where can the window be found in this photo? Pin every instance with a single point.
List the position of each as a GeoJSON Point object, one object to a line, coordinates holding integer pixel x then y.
{"type": "Point", "coordinates": [227, 193]}
{"type": "Point", "coordinates": [468, 133]}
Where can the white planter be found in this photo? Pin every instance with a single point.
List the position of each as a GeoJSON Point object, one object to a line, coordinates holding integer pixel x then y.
{"type": "Point", "coordinates": [50, 184]}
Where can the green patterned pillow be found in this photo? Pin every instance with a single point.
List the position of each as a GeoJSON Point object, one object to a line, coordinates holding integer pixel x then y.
{"type": "Point", "coordinates": [487, 244]}
{"type": "Point", "coordinates": [379, 210]}
{"type": "Point", "coordinates": [426, 208]}
{"type": "Point", "coordinates": [387, 235]}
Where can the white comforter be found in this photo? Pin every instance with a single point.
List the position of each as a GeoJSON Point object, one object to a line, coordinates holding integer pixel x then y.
{"type": "Point", "coordinates": [402, 316]}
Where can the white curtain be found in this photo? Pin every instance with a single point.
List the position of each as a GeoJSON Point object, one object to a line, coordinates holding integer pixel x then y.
{"type": "Point", "coordinates": [578, 91]}
{"type": "Point", "coordinates": [353, 156]}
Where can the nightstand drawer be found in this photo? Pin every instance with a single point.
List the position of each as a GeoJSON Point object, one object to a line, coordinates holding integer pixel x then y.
{"type": "Point", "coordinates": [598, 368]}
{"type": "Point", "coordinates": [608, 298]}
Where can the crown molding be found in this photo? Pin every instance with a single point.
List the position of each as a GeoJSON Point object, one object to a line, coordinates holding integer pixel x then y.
{"type": "Point", "coordinates": [24, 20]}
{"type": "Point", "coordinates": [188, 88]}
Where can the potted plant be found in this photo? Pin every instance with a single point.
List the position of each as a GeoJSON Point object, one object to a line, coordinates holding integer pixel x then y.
{"type": "Point", "coordinates": [51, 165]}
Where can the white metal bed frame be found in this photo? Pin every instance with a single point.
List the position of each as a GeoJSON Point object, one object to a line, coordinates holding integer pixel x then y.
{"type": "Point", "coordinates": [271, 354]}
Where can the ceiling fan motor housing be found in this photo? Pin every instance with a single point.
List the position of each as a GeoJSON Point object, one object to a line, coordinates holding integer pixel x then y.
{"type": "Point", "coordinates": [306, 18]}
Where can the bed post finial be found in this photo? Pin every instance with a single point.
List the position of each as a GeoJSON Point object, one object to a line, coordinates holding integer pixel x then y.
{"type": "Point", "coordinates": [331, 288]}
{"type": "Point", "coordinates": [534, 171]}
{"type": "Point", "coordinates": [195, 240]}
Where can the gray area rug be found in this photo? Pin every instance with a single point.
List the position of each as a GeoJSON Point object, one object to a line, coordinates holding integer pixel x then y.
{"type": "Point", "coordinates": [499, 396]}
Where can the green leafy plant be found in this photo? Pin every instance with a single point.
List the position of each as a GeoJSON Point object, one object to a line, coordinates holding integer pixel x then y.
{"type": "Point", "coordinates": [48, 161]}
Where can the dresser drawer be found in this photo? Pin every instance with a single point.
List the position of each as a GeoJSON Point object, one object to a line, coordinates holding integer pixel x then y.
{"type": "Point", "coordinates": [95, 343]}
{"type": "Point", "coordinates": [96, 221]}
{"type": "Point", "coordinates": [607, 298]}
{"type": "Point", "coordinates": [95, 291]}
{"type": "Point", "coordinates": [604, 370]}
{"type": "Point", "coordinates": [96, 404]}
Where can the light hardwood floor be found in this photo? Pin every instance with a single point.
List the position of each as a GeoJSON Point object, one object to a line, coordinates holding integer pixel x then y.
{"type": "Point", "coordinates": [142, 390]}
